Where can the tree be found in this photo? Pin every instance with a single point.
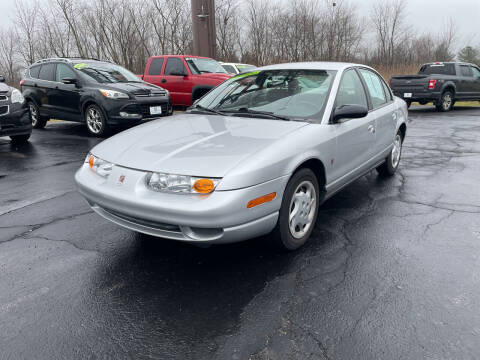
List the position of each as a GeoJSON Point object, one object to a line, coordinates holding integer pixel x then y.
{"type": "Point", "coordinates": [470, 55]}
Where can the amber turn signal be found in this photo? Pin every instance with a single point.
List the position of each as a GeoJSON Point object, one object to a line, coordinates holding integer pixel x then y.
{"type": "Point", "coordinates": [261, 200]}
{"type": "Point", "coordinates": [91, 161]}
{"type": "Point", "coordinates": [204, 186]}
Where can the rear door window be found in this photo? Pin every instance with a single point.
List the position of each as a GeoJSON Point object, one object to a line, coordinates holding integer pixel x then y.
{"type": "Point", "coordinates": [375, 88]}
{"type": "Point", "coordinates": [466, 70]}
{"type": "Point", "coordinates": [174, 66]}
{"type": "Point", "coordinates": [64, 72]}
{"type": "Point", "coordinates": [155, 66]}
{"type": "Point", "coordinates": [47, 72]}
{"type": "Point", "coordinates": [34, 71]}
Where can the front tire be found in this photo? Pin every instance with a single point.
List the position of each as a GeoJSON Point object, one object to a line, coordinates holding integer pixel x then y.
{"type": "Point", "coordinates": [446, 102]}
{"type": "Point", "coordinates": [298, 212]}
{"type": "Point", "coordinates": [20, 139]}
{"type": "Point", "coordinates": [390, 166]}
{"type": "Point", "coordinates": [38, 122]}
{"type": "Point", "coordinates": [96, 121]}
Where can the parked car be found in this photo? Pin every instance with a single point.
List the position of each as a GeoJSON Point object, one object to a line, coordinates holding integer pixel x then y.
{"type": "Point", "coordinates": [187, 77]}
{"type": "Point", "coordinates": [98, 93]}
{"type": "Point", "coordinates": [442, 83]}
{"type": "Point", "coordinates": [257, 154]}
{"type": "Point", "coordinates": [14, 117]}
{"type": "Point", "coordinates": [235, 68]}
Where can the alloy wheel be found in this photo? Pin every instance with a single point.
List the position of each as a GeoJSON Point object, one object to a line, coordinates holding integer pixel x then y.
{"type": "Point", "coordinates": [396, 151]}
{"type": "Point", "coordinates": [302, 209]}
{"type": "Point", "coordinates": [33, 114]}
{"type": "Point", "coordinates": [447, 101]}
{"type": "Point", "coordinates": [94, 121]}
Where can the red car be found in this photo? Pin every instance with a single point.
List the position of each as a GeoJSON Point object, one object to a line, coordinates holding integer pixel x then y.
{"type": "Point", "coordinates": [186, 77]}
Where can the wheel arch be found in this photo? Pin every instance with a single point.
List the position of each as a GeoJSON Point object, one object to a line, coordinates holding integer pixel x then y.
{"type": "Point", "coordinates": [449, 86]}
{"type": "Point", "coordinates": [318, 168]}
{"type": "Point", "coordinates": [199, 90]}
{"type": "Point", "coordinates": [403, 130]}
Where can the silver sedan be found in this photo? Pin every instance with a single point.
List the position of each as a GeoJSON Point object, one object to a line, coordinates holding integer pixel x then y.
{"type": "Point", "coordinates": [256, 155]}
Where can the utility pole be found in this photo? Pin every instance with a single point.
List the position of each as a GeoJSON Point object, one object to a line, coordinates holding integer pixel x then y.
{"type": "Point", "coordinates": [203, 26]}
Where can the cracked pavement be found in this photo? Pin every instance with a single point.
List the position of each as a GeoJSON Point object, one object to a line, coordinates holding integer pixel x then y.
{"type": "Point", "coordinates": [392, 270]}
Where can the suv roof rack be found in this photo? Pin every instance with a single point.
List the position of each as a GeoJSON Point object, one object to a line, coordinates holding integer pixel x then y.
{"type": "Point", "coordinates": [65, 59]}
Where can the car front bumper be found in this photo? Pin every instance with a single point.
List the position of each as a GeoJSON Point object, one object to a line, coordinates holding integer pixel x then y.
{"type": "Point", "coordinates": [219, 217]}
{"type": "Point", "coordinates": [16, 121]}
{"type": "Point", "coordinates": [137, 110]}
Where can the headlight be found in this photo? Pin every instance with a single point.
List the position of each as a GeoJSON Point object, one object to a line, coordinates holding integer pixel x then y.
{"type": "Point", "coordinates": [17, 97]}
{"type": "Point", "coordinates": [180, 183]}
{"type": "Point", "coordinates": [112, 94]}
{"type": "Point", "coordinates": [99, 166]}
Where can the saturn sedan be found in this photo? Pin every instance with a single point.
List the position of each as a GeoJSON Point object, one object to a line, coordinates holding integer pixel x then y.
{"type": "Point", "coordinates": [256, 155]}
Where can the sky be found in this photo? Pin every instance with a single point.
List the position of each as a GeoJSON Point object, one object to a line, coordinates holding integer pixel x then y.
{"type": "Point", "coordinates": [424, 15]}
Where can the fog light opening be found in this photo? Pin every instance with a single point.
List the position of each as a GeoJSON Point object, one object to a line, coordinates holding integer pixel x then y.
{"type": "Point", "coordinates": [202, 234]}
{"type": "Point", "coordinates": [128, 115]}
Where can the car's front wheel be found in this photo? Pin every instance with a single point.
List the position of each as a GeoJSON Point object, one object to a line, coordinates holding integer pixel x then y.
{"type": "Point", "coordinates": [390, 166]}
{"type": "Point", "coordinates": [298, 213]}
{"type": "Point", "coordinates": [95, 120]}
{"type": "Point", "coordinates": [38, 122]}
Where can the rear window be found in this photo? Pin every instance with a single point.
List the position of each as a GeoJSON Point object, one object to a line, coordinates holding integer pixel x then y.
{"type": "Point", "coordinates": [47, 72]}
{"type": "Point", "coordinates": [438, 69]}
{"type": "Point", "coordinates": [155, 66]}
{"type": "Point", "coordinates": [34, 71]}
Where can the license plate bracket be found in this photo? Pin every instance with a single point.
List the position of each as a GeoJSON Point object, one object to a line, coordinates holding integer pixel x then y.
{"type": "Point", "coordinates": [155, 110]}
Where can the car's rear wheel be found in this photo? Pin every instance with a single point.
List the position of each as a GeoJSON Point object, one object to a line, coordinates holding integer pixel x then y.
{"type": "Point", "coordinates": [299, 210]}
{"type": "Point", "coordinates": [390, 166]}
{"type": "Point", "coordinates": [20, 139]}
{"type": "Point", "coordinates": [95, 120]}
{"type": "Point", "coordinates": [446, 102]}
{"type": "Point", "coordinates": [38, 122]}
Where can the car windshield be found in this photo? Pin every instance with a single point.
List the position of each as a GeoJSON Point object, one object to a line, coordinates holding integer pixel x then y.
{"type": "Point", "coordinates": [291, 94]}
{"type": "Point", "coordinates": [106, 72]}
{"type": "Point", "coordinates": [204, 65]}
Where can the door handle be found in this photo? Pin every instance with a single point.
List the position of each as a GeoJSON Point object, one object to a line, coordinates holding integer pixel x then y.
{"type": "Point", "coordinates": [164, 80]}
{"type": "Point", "coordinates": [394, 116]}
{"type": "Point", "coordinates": [371, 128]}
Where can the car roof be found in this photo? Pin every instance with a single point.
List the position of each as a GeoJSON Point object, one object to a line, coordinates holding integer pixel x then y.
{"type": "Point", "coordinates": [72, 60]}
{"type": "Point", "coordinates": [313, 65]}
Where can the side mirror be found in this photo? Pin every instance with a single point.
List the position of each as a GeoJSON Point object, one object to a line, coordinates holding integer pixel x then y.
{"type": "Point", "coordinates": [349, 112]}
{"type": "Point", "coordinates": [179, 72]}
{"type": "Point", "coordinates": [2, 79]}
{"type": "Point", "coordinates": [70, 81]}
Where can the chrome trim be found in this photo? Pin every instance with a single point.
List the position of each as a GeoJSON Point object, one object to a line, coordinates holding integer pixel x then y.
{"type": "Point", "coordinates": [8, 110]}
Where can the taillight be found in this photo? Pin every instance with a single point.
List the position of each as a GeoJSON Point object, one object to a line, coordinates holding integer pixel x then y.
{"type": "Point", "coordinates": [431, 84]}
{"type": "Point", "coordinates": [22, 82]}
{"type": "Point", "coordinates": [390, 82]}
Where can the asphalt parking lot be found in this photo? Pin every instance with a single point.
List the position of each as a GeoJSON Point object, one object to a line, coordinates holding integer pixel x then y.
{"type": "Point", "coordinates": [392, 270]}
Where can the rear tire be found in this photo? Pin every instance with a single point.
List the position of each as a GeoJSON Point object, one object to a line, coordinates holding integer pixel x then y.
{"type": "Point", "coordinates": [298, 212]}
{"type": "Point", "coordinates": [390, 165]}
{"type": "Point", "coordinates": [96, 121]}
{"type": "Point", "coordinates": [38, 122]}
{"type": "Point", "coordinates": [20, 139]}
{"type": "Point", "coordinates": [446, 102]}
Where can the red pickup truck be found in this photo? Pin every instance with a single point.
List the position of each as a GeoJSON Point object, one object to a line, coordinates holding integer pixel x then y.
{"type": "Point", "coordinates": [186, 77]}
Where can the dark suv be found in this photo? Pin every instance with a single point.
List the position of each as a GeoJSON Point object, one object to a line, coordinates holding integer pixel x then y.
{"type": "Point", "coordinates": [98, 93]}
{"type": "Point", "coordinates": [14, 119]}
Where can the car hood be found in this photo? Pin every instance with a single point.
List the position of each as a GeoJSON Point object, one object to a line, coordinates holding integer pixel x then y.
{"type": "Point", "coordinates": [193, 144]}
{"type": "Point", "coordinates": [216, 76]}
{"type": "Point", "coordinates": [134, 87]}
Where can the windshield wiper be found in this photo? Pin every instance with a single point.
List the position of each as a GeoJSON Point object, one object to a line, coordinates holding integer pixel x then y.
{"type": "Point", "coordinates": [258, 112]}
{"type": "Point", "coordinates": [212, 111]}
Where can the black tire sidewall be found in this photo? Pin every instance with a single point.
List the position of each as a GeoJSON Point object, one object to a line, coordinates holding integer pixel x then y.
{"type": "Point", "coordinates": [20, 139]}
{"type": "Point", "coordinates": [282, 236]}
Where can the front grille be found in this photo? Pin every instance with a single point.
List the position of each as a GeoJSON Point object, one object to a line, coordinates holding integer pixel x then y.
{"type": "Point", "coordinates": [145, 109]}
{"type": "Point", "coordinates": [143, 222]}
{"type": "Point", "coordinates": [3, 98]}
{"type": "Point", "coordinates": [150, 94]}
{"type": "Point", "coordinates": [4, 110]}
